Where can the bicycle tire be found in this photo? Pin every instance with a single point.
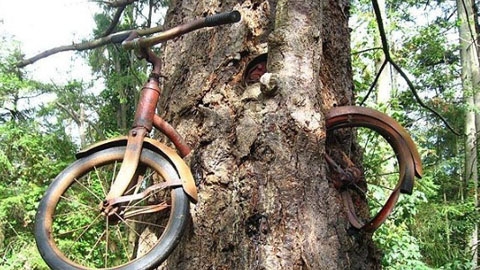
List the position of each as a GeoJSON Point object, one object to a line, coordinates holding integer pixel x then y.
{"type": "Point", "coordinates": [48, 226]}
{"type": "Point", "coordinates": [409, 162]}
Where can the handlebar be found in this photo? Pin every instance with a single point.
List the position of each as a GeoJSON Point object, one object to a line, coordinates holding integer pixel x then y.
{"type": "Point", "coordinates": [222, 18]}
{"type": "Point", "coordinates": [130, 39]}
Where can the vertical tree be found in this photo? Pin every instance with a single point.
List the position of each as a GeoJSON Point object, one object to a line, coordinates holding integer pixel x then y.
{"type": "Point", "coordinates": [265, 201]}
{"type": "Point", "coordinates": [470, 83]}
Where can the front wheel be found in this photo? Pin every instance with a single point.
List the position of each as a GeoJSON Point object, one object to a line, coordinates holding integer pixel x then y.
{"type": "Point", "coordinates": [72, 232]}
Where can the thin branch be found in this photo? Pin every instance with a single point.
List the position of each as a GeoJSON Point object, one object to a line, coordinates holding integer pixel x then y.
{"type": "Point", "coordinates": [87, 45]}
{"type": "Point", "coordinates": [76, 118]}
{"type": "Point", "coordinates": [116, 4]}
{"type": "Point", "coordinates": [389, 59]}
{"type": "Point", "coordinates": [372, 86]}
{"type": "Point", "coordinates": [71, 113]}
{"type": "Point", "coordinates": [114, 22]}
{"type": "Point", "coordinates": [366, 50]}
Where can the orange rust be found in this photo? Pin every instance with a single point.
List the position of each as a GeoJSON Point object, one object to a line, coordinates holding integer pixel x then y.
{"type": "Point", "coordinates": [172, 134]}
{"type": "Point", "coordinates": [407, 154]}
{"type": "Point", "coordinates": [129, 164]}
{"type": "Point", "coordinates": [186, 177]}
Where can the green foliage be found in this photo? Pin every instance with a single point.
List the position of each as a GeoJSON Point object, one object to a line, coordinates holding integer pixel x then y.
{"type": "Point", "coordinates": [431, 227]}
{"type": "Point", "coordinates": [34, 142]}
{"type": "Point", "coordinates": [442, 228]}
{"type": "Point", "coordinates": [31, 155]}
{"type": "Point", "coordinates": [401, 250]}
{"type": "Point", "coordinates": [33, 159]}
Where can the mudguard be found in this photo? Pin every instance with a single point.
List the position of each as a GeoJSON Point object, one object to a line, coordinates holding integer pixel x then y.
{"type": "Point", "coordinates": [182, 168]}
{"type": "Point", "coordinates": [390, 129]}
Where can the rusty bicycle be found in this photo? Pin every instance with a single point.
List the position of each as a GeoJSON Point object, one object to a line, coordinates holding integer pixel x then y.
{"type": "Point", "coordinates": [124, 203]}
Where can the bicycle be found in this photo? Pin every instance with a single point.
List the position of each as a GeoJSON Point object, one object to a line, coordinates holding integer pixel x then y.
{"type": "Point", "coordinates": [124, 203]}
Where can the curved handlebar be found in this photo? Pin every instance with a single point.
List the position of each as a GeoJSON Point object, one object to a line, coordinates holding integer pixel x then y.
{"type": "Point", "coordinates": [214, 20]}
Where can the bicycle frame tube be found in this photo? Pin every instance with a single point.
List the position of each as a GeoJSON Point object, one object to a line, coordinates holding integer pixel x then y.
{"type": "Point", "coordinates": [145, 119]}
{"type": "Point", "coordinates": [172, 134]}
{"type": "Point", "coordinates": [142, 125]}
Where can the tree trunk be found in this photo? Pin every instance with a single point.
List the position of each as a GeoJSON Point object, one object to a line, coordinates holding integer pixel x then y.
{"type": "Point", "coordinates": [470, 84]}
{"type": "Point", "coordinates": [264, 198]}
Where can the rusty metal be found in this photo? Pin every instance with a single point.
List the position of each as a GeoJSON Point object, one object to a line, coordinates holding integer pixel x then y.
{"type": "Point", "coordinates": [129, 164]}
{"type": "Point", "coordinates": [172, 134]}
{"type": "Point", "coordinates": [143, 194]}
{"type": "Point", "coordinates": [163, 36]}
{"type": "Point", "coordinates": [186, 177]}
{"type": "Point", "coordinates": [403, 146]}
{"type": "Point", "coordinates": [210, 21]}
{"type": "Point", "coordinates": [102, 145]}
{"type": "Point", "coordinates": [145, 210]}
{"type": "Point", "coordinates": [343, 177]}
{"type": "Point", "coordinates": [188, 183]}
{"type": "Point", "coordinates": [393, 132]}
{"type": "Point", "coordinates": [255, 69]}
{"type": "Point", "coordinates": [147, 104]}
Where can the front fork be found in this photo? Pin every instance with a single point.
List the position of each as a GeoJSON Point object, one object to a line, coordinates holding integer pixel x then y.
{"type": "Point", "coordinates": [142, 126]}
{"type": "Point", "coordinates": [145, 119]}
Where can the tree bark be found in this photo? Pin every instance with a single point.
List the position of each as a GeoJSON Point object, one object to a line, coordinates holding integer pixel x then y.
{"type": "Point", "coordinates": [470, 84]}
{"type": "Point", "coordinates": [264, 198]}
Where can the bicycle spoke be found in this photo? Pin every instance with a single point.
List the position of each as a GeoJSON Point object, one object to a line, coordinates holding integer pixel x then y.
{"type": "Point", "coordinates": [147, 223]}
{"type": "Point", "coordinates": [114, 174]}
{"type": "Point", "coordinates": [94, 247]}
{"type": "Point", "coordinates": [106, 242]}
{"type": "Point", "coordinates": [86, 228]}
{"type": "Point", "coordinates": [99, 178]}
{"type": "Point", "coordinates": [76, 202]}
{"type": "Point", "coordinates": [88, 189]}
{"type": "Point", "coordinates": [83, 234]}
{"type": "Point", "coordinates": [125, 247]}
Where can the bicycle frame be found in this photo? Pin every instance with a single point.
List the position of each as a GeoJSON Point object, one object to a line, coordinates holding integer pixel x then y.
{"type": "Point", "coordinates": [145, 118]}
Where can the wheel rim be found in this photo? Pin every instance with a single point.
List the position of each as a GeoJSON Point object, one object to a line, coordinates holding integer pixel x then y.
{"type": "Point", "coordinates": [82, 236]}
{"type": "Point", "coordinates": [383, 178]}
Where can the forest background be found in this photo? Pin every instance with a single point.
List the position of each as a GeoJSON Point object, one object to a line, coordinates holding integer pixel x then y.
{"type": "Point", "coordinates": [42, 124]}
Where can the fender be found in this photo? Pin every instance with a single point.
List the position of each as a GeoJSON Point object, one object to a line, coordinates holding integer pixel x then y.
{"type": "Point", "coordinates": [188, 183]}
{"type": "Point", "coordinates": [343, 114]}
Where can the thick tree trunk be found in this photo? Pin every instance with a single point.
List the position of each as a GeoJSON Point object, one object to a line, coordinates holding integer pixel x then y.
{"type": "Point", "coordinates": [264, 198]}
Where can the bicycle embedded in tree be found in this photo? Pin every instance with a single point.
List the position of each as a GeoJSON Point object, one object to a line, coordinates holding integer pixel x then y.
{"type": "Point", "coordinates": [124, 203]}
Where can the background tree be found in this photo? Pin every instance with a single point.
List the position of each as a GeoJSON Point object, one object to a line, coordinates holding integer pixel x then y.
{"type": "Point", "coordinates": [471, 84]}
{"type": "Point", "coordinates": [31, 153]}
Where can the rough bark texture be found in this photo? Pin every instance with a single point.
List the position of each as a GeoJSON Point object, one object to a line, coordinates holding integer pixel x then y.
{"type": "Point", "coordinates": [264, 198]}
{"type": "Point", "coordinates": [470, 84]}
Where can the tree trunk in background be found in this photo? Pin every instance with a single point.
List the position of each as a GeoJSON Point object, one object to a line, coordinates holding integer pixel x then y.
{"type": "Point", "coordinates": [264, 198]}
{"type": "Point", "coordinates": [470, 82]}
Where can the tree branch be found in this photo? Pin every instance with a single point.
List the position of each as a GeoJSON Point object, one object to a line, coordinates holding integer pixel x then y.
{"type": "Point", "coordinates": [372, 86]}
{"type": "Point", "coordinates": [114, 21]}
{"type": "Point", "coordinates": [389, 59]}
{"type": "Point", "coordinates": [116, 4]}
{"type": "Point", "coordinates": [120, 5]}
{"type": "Point", "coordinates": [88, 44]}
{"type": "Point", "coordinates": [76, 118]}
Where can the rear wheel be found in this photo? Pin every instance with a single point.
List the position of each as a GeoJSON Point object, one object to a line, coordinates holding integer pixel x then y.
{"type": "Point", "coordinates": [387, 168]}
{"type": "Point", "coordinates": [72, 232]}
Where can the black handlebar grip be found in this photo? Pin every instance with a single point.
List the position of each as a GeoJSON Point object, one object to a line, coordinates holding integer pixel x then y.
{"type": "Point", "coordinates": [223, 18]}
